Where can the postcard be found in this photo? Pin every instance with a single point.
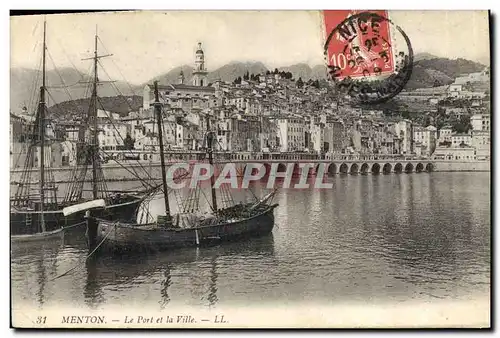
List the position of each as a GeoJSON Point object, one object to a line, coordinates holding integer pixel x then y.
{"type": "Point", "coordinates": [250, 169]}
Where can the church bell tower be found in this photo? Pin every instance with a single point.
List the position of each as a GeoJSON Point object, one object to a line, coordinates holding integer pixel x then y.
{"type": "Point", "coordinates": [200, 72]}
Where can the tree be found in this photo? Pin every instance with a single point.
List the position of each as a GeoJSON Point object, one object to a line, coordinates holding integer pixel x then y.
{"type": "Point", "coordinates": [129, 142]}
{"type": "Point", "coordinates": [462, 126]}
{"type": "Point", "coordinates": [276, 71]}
{"type": "Point", "coordinates": [440, 124]}
{"type": "Point", "coordinates": [427, 121]}
{"type": "Point", "coordinates": [246, 76]}
{"type": "Point", "coordinates": [300, 83]}
{"type": "Point", "coordinates": [237, 80]}
{"type": "Point", "coordinates": [324, 84]}
{"type": "Point", "coordinates": [268, 72]}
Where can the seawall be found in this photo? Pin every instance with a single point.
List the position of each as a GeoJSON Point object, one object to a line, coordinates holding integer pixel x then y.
{"type": "Point", "coordinates": [132, 171]}
{"type": "Point", "coordinates": [453, 166]}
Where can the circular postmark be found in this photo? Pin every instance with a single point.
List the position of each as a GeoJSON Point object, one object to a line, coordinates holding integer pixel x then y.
{"type": "Point", "coordinates": [369, 59]}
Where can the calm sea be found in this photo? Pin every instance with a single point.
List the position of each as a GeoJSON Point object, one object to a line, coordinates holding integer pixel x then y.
{"type": "Point", "coordinates": [370, 238]}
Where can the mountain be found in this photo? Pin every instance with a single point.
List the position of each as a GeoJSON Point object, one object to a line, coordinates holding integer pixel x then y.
{"type": "Point", "coordinates": [428, 71]}
{"type": "Point", "coordinates": [226, 73]}
{"type": "Point", "coordinates": [484, 60]}
{"type": "Point", "coordinates": [440, 71]}
{"type": "Point", "coordinates": [319, 72]}
{"type": "Point", "coordinates": [116, 104]}
{"type": "Point", "coordinates": [300, 70]}
{"type": "Point", "coordinates": [173, 76]}
{"type": "Point", "coordinates": [422, 77]}
{"type": "Point", "coordinates": [423, 56]}
{"type": "Point", "coordinates": [62, 85]}
{"type": "Point", "coordinates": [235, 69]}
{"type": "Point", "coordinates": [304, 71]}
{"type": "Point", "coordinates": [24, 84]}
{"type": "Point", "coordinates": [452, 68]}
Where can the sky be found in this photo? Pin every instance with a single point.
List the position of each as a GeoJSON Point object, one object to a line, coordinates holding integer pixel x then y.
{"type": "Point", "coordinates": [146, 44]}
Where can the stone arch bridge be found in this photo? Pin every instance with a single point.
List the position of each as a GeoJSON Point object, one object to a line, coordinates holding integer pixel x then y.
{"type": "Point", "coordinates": [339, 163]}
{"type": "Point", "coordinates": [334, 167]}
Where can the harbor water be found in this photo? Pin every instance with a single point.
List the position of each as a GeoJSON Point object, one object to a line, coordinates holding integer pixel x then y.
{"type": "Point", "coordinates": [369, 239]}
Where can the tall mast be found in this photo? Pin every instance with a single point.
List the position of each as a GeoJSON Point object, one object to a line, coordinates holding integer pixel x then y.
{"type": "Point", "coordinates": [162, 155]}
{"type": "Point", "coordinates": [94, 113]}
{"type": "Point", "coordinates": [41, 112]}
{"type": "Point", "coordinates": [92, 119]}
{"type": "Point", "coordinates": [261, 138]}
{"type": "Point", "coordinates": [211, 162]}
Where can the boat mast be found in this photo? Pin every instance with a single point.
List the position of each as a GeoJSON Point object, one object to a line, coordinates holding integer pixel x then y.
{"type": "Point", "coordinates": [159, 121]}
{"type": "Point", "coordinates": [41, 112]}
{"type": "Point", "coordinates": [261, 138]}
{"type": "Point", "coordinates": [94, 113]}
{"type": "Point", "coordinates": [211, 162]}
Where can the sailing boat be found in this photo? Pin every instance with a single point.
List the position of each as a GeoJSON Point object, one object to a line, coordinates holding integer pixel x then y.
{"type": "Point", "coordinates": [37, 214]}
{"type": "Point", "coordinates": [119, 206]}
{"type": "Point", "coordinates": [233, 222]}
{"type": "Point", "coordinates": [32, 212]}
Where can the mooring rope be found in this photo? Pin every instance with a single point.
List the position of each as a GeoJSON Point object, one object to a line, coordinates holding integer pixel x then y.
{"type": "Point", "coordinates": [88, 256]}
{"type": "Point", "coordinates": [74, 225]}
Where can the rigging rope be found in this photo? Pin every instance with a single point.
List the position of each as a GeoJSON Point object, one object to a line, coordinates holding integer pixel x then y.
{"type": "Point", "coordinates": [123, 140]}
{"type": "Point", "coordinates": [64, 86]}
{"type": "Point", "coordinates": [72, 64]}
{"type": "Point", "coordinates": [112, 60]}
{"type": "Point", "coordinates": [87, 257]}
{"type": "Point", "coordinates": [62, 81]}
{"type": "Point", "coordinates": [74, 225]}
{"type": "Point", "coordinates": [34, 90]}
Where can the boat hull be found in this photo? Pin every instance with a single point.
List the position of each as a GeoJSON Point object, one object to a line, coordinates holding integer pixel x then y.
{"type": "Point", "coordinates": [27, 222]}
{"type": "Point", "coordinates": [58, 233]}
{"type": "Point", "coordinates": [119, 237]}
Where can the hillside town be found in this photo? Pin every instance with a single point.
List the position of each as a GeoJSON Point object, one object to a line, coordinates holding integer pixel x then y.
{"type": "Point", "coordinates": [273, 112]}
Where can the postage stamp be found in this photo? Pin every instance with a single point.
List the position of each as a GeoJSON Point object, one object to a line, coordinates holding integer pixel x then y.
{"type": "Point", "coordinates": [366, 58]}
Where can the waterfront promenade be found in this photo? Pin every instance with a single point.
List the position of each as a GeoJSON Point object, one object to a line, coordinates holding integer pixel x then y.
{"type": "Point", "coordinates": [337, 164]}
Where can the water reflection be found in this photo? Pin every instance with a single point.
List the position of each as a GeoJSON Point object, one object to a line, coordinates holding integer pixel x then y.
{"type": "Point", "coordinates": [41, 281]}
{"type": "Point", "coordinates": [31, 264]}
{"type": "Point", "coordinates": [427, 246]}
{"type": "Point", "coordinates": [92, 292]}
{"type": "Point", "coordinates": [165, 283]}
{"type": "Point", "coordinates": [193, 268]}
{"type": "Point", "coordinates": [374, 237]}
{"type": "Point", "coordinates": [212, 290]}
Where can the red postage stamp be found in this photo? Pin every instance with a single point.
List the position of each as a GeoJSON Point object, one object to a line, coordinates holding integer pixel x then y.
{"type": "Point", "coordinates": [358, 46]}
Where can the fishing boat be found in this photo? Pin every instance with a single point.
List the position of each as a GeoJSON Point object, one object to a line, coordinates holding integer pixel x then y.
{"type": "Point", "coordinates": [192, 228]}
{"type": "Point", "coordinates": [36, 212]}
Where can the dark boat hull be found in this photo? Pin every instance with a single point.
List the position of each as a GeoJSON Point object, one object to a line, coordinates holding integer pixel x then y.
{"type": "Point", "coordinates": [119, 237]}
{"type": "Point", "coordinates": [41, 236]}
{"type": "Point", "coordinates": [26, 222]}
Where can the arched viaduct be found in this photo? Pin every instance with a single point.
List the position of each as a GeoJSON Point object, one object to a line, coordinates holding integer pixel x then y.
{"type": "Point", "coordinates": [349, 167]}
